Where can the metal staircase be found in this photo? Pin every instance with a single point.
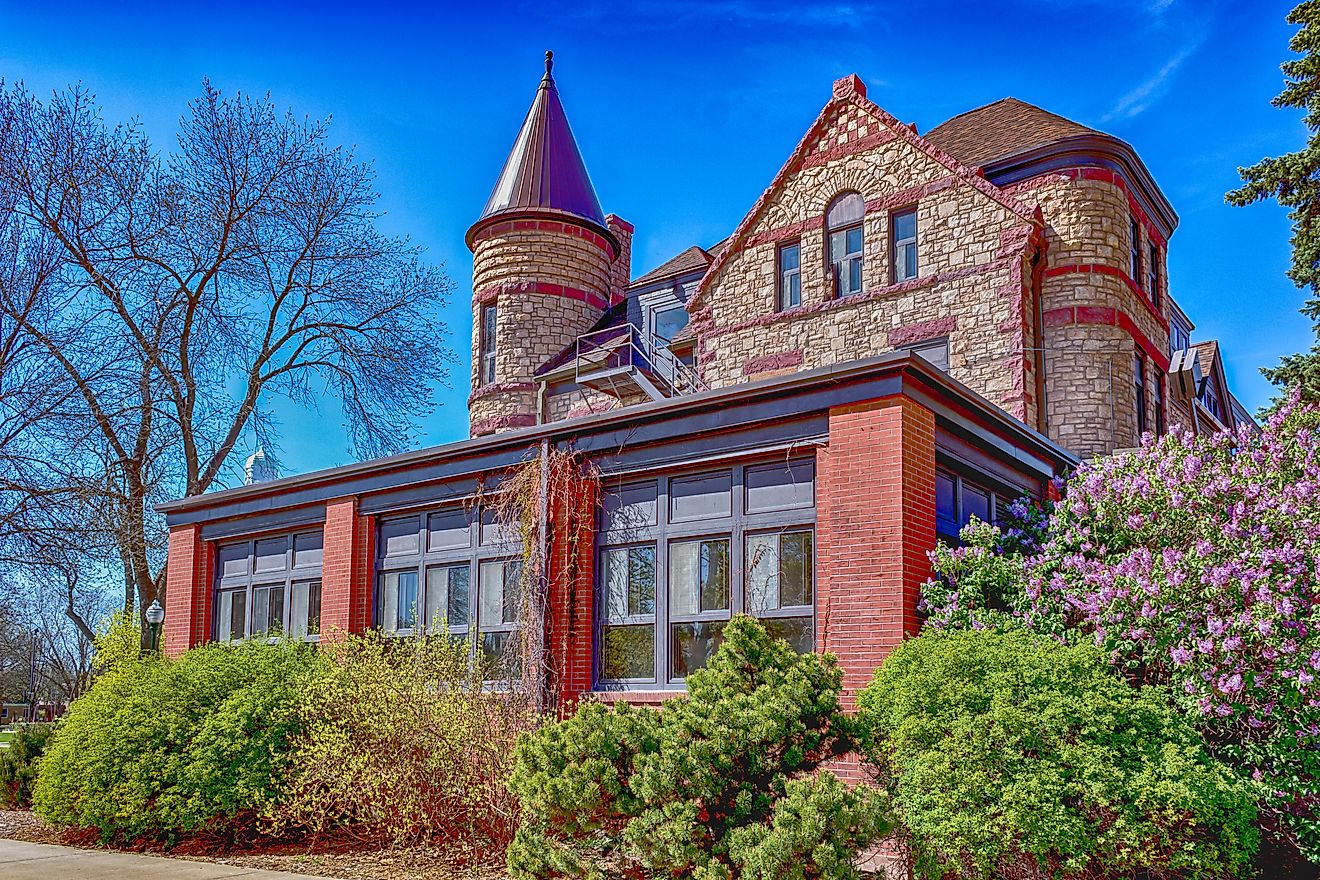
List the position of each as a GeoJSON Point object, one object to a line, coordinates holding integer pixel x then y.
{"type": "Point", "coordinates": [620, 361]}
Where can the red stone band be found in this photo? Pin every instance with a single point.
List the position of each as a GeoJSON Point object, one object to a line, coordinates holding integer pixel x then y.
{"type": "Point", "coordinates": [1101, 269]}
{"type": "Point", "coordinates": [570, 229]}
{"type": "Point", "coordinates": [546, 288]}
{"type": "Point", "coordinates": [1103, 315]}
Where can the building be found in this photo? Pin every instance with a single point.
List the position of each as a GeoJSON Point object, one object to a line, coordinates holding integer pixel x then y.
{"type": "Point", "coordinates": [903, 332]}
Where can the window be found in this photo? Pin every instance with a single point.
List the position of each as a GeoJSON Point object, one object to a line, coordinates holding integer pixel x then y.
{"type": "Point", "coordinates": [779, 585]}
{"type": "Point", "coordinates": [267, 587]}
{"type": "Point", "coordinates": [957, 500]}
{"type": "Point", "coordinates": [1139, 378]}
{"type": "Point", "coordinates": [1210, 397]}
{"type": "Point", "coordinates": [903, 232]}
{"type": "Point", "coordinates": [936, 351]}
{"type": "Point", "coordinates": [843, 222]}
{"type": "Point", "coordinates": [790, 276]}
{"type": "Point", "coordinates": [447, 571]}
{"type": "Point", "coordinates": [1158, 388]}
{"type": "Point", "coordinates": [680, 555]}
{"type": "Point", "coordinates": [667, 322]}
{"type": "Point", "coordinates": [499, 596]}
{"type": "Point", "coordinates": [1134, 270]}
{"type": "Point", "coordinates": [1180, 338]}
{"type": "Point", "coordinates": [488, 317]}
{"type": "Point", "coordinates": [628, 634]}
{"type": "Point", "coordinates": [1153, 275]}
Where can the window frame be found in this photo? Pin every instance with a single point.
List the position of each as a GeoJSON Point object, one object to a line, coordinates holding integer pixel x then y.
{"type": "Point", "coordinates": [1153, 273]}
{"type": "Point", "coordinates": [284, 579]}
{"type": "Point", "coordinates": [783, 276]}
{"type": "Point", "coordinates": [472, 553]}
{"type": "Point", "coordinates": [1161, 426]}
{"type": "Point", "coordinates": [662, 532]}
{"type": "Point", "coordinates": [1134, 253]}
{"type": "Point", "coordinates": [899, 246]}
{"type": "Point", "coordinates": [963, 482]}
{"type": "Point", "coordinates": [1139, 385]}
{"type": "Point", "coordinates": [839, 263]}
{"type": "Point", "coordinates": [489, 333]}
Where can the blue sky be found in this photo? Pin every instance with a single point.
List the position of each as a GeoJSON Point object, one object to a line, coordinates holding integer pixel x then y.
{"type": "Point", "coordinates": [684, 111]}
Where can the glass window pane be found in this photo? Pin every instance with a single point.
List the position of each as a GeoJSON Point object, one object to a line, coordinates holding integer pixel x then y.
{"type": "Point", "coordinates": [790, 257]}
{"type": "Point", "coordinates": [448, 530]}
{"type": "Point", "coordinates": [797, 631]}
{"type": "Point", "coordinates": [683, 564]}
{"type": "Point", "coordinates": [447, 593]}
{"type": "Point", "coordinates": [714, 574]}
{"type": "Point", "coordinates": [905, 225]}
{"type": "Point", "coordinates": [854, 276]}
{"type": "Point", "coordinates": [796, 570]}
{"type": "Point", "coordinates": [628, 652]}
{"type": "Point", "coordinates": [976, 502]}
{"type": "Point", "coordinates": [398, 537]}
{"type": "Point", "coordinates": [233, 559]}
{"type": "Point", "coordinates": [702, 496]}
{"type": "Point", "coordinates": [910, 261]}
{"type": "Point", "coordinates": [231, 616]}
{"type": "Point", "coordinates": [762, 574]}
{"type": "Point", "coordinates": [268, 610]}
{"type": "Point", "coordinates": [946, 504]}
{"type": "Point", "coordinates": [780, 486]}
{"type": "Point", "coordinates": [668, 322]}
{"type": "Point", "coordinates": [270, 554]}
{"type": "Point", "coordinates": [691, 645]}
{"type": "Point", "coordinates": [305, 609]}
{"type": "Point", "coordinates": [795, 290]}
{"type": "Point", "coordinates": [406, 611]}
{"type": "Point", "coordinates": [630, 582]}
{"type": "Point", "coordinates": [498, 592]}
{"type": "Point", "coordinates": [496, 533]}
{"type": "Point", "coordinates": [307, 549]}
{"type": "Point", "coordinates": [458, 609]}
{"type": "Point", "coordinates": [630, 507]}
{"type": "Point", "coordinates": [854, 240]}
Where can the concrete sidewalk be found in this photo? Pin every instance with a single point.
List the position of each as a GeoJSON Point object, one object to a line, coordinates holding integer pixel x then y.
{"type": "Point", "coordinates": [41, 861]}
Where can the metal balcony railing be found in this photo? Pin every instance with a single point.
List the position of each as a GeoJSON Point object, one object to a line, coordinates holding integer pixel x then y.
{"type": "Point", "coordinates": [607, 358]}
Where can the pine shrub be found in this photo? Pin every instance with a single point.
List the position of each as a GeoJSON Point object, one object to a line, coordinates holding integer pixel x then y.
{"type": "Point", "coordinates": [726, 782]}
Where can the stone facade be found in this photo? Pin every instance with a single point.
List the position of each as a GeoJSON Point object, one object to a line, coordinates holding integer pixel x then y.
{"type": "Point", "coordinates": [550, 281]}
{"type": "Point", "coordinates": [975, 249]}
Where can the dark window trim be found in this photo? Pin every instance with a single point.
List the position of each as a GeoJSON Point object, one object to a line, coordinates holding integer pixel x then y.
{"type": "Point", "coordinates": [895, 242]}
{"type": "Point", "coordinates": [998, 500]}
{"type": "Point", "coordinates": [1139, 384]}
{"type": "Point", "coordinates": [782, 275]}
{"type": "Point", "coordinates": [252, 579]}
{"type": "Point", "coordinates": [489, 333]}
{"type": "Point", "coordinates": [735, 527]}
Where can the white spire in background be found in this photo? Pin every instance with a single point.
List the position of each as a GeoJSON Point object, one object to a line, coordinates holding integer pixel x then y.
{"type": "Point", "coordinates": [260, 467]}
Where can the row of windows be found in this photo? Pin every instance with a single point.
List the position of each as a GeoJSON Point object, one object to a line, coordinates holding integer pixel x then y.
{"type": "Point", "coordinates": [845, 241]}
{"type": "Point", "coordinates": [679, 555]}
{"type": "Point", "coordinates": [269, 587]}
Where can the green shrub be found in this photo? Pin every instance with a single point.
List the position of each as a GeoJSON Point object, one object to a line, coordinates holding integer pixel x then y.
{"type": "Point", "coordinates": [1011, 755]}
{"type": "Point", "coordinates": [711, 786]}
{"type": "Point", "coordinates": [18, 764]}
{"type": "Point", "coordinates": [157, 748]}
{"type": "Point", "coordinates": [404, 743]}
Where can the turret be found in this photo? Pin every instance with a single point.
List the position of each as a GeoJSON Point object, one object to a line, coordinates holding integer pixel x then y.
{"type": "Point", "coordinates": [543, 265]}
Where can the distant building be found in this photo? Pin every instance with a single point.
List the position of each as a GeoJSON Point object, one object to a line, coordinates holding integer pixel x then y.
{"type": "Point", "coordinates": [260, 467]}
{"type": "Point", "coordinates": [903, 332]}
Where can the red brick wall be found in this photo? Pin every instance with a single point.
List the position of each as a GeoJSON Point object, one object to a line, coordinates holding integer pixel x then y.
{"type": "Point", "coordinates": [187, 590]}
{"type": "Point", "coordinates": [347, 567]}
{"type": "Point", "coordinates": [875, 523]}
{"type": "Point", "coordinates": [571, 635]}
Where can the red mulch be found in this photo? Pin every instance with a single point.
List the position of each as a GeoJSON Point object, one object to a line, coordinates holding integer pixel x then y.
{"type": "Point", "coordinates": [332, 858]}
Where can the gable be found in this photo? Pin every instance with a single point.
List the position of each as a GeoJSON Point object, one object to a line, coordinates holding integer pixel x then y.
{"type": "Point", "coordinates": [851, 127]}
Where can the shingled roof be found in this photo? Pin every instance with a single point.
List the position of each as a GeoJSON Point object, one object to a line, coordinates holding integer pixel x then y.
{"type": "Point", "coordinates": [688, 261]}
{"type": "Point", "coordinates": [1006, 128]}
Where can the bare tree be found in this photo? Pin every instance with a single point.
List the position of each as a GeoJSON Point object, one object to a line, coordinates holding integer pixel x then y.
{"type": "Point", "coordinates": [150, 302]}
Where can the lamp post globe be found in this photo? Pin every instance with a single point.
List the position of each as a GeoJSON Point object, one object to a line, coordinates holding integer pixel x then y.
{"type": "Point", "coordinates": [155, 617]}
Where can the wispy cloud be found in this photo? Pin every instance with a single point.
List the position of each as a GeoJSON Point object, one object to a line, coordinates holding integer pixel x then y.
{"type": "Point", "coordinates": [1143, 96]}
{"type": "Point", "coordinates": [749, 13]}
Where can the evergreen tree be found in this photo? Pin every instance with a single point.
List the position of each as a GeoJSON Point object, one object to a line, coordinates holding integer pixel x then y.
{"type": "Point", "coordinates": [1294, 181]}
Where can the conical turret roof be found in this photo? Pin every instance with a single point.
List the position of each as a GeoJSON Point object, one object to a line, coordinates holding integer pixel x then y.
{"type": "Point", "coordinates": [544, 171]}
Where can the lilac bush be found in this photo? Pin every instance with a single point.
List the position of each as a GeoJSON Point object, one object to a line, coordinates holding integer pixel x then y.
{"type": "Point", "coordinates": [1193, 564]}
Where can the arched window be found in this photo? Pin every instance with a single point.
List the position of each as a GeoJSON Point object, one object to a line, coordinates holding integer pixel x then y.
{"type": "Point", "coordinates": [843, 222]}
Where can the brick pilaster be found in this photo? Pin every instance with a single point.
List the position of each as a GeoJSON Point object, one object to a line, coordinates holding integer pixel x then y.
{"type": "Point", "coordinates": [570, 639]}
{"type": "Point", "coordinates": [188, 579]}
{"type": "Point", "coordinates": [347, 566]}
{"type": "Point", "coordinates": [875, 525]}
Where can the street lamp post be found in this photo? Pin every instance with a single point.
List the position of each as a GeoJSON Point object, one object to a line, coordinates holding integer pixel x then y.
{"type": "Point", "coordinates": [155, 617]}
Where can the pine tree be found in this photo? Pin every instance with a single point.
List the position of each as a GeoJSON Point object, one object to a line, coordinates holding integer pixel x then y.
{"type": "Point", "coordinates": [1294, 181]}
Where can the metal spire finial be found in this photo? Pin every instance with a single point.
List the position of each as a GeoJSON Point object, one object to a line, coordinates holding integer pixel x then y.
{"type": "Point", "coordinates": [549, 63]}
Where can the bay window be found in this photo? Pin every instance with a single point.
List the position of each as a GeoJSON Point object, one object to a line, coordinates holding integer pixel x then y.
{"type": "Point", "coordinates": [680, 555]}
{"type": "Point", "coordinates": [268, 587]}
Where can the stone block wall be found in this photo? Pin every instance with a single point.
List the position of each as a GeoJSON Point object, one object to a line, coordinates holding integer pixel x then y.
{"type": "Point", "coordinates": [550, 281]}
{"type": "Point", "coordinates": [1096, 317]}
{"type": "Point", "coordinates": [973, 284]}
